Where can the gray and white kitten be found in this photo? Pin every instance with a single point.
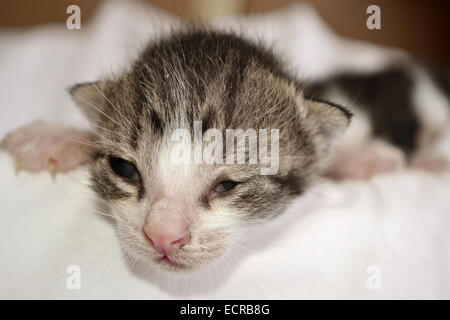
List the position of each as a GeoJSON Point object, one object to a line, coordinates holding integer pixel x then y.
{"type": "Point", "coordinates": [178, 217]}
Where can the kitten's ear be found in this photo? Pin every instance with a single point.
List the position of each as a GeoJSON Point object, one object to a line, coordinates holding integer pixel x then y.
{"type": "Point", "coordinates": [327, 120]}
{"type": "Point", "coordinates": [89, 98]}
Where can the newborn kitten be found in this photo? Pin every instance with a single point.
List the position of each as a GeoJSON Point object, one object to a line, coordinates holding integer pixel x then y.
{"type": "Point", "coordinates": [178, 216]}
{"type": "Point", "coordinates": [401, 117]}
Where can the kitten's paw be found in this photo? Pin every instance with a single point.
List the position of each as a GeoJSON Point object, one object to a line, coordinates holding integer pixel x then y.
{"type": "Point", "coordinates": [432, 162]}
{"type": "Point", "coordinates": [363, 164]}
{"type": "Point", "coordinates": [48, 147]}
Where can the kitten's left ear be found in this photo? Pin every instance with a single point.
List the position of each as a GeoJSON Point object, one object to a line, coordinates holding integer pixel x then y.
{"type": "Point", "coordinates": [327, 120]}
{"type": "Point", "coordinates": [89, 98]}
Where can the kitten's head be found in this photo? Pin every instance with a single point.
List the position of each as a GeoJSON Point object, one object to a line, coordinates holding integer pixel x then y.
{"type": "Point", "coordinates": [179, 198]}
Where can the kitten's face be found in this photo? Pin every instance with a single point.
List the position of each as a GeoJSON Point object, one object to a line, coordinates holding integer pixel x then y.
{"type": "Point", "coordinates": [203, 205]}
{"type": "Point", "coordinates": [179, 216]}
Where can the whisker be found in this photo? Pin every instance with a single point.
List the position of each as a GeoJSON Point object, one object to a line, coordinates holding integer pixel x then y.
{"type": "Point", "coordinates": [109, 216]}
{"type": "Point", "coordinates": [261, 257]}
{"type": "Point", "coordinates": [261, 273]}
{"type": "Point", "coordinates": [106, 129]}
{"type": "Point", "coordinates": [292, 118]}
{"type": "Point", "coordinates": [271, 109]}
{"type": "Point", "coordinates": [100, 111]}
{"type": "Point", "coordinates": [307, 255]}
{"type": "Point", "coordinates": [80, 142]}
{"type": "Point", "coordinates": [112, 132]}
{"type": "Point", "coordinates": [115, 108]}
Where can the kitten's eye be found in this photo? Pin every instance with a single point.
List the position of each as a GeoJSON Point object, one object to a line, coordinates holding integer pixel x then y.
{"type": "Point", "coordinates": [225, 186]}
{"type": "Point", "coordinates": [124, 169]}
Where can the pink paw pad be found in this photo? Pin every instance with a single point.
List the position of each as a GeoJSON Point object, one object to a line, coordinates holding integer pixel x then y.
{"type": "Point", "coordinates": [48, 147]}
{"type": "Point", "coordinates": [430, 162]}
{"type": "Point", "coordinates": [365, 163]}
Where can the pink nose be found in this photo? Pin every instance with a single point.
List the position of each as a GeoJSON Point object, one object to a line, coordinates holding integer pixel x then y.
{"type": "Point", "coordinates": [165, 239]}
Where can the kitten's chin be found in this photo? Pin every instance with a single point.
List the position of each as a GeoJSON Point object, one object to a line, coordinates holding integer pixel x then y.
{"type": "Point", "coordinates": [166, 265]}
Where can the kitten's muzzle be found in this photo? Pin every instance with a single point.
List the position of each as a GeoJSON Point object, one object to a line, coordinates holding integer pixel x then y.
{"type": "Point", "coordinates": [167, 239]}
{"type": "Point", "coordinates": [166, 227]}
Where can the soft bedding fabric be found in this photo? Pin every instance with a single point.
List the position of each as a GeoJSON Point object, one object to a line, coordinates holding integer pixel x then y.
{"type": "Point", "coordinates": [384, 238]}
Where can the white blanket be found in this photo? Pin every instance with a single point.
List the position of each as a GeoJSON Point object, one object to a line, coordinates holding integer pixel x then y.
{"type": "Point", "coordinates": [383, 238]}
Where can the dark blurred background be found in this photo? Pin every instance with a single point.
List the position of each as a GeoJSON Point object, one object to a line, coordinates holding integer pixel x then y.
{"type": "Point", "coordinates": [419, 26]}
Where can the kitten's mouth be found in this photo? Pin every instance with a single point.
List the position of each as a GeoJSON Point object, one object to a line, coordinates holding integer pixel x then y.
{"type": "Point", "coordinates": [169, 262]}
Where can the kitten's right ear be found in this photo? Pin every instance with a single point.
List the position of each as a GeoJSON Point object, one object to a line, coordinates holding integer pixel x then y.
{"type": "Point", "coordinates": [89, 98]}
